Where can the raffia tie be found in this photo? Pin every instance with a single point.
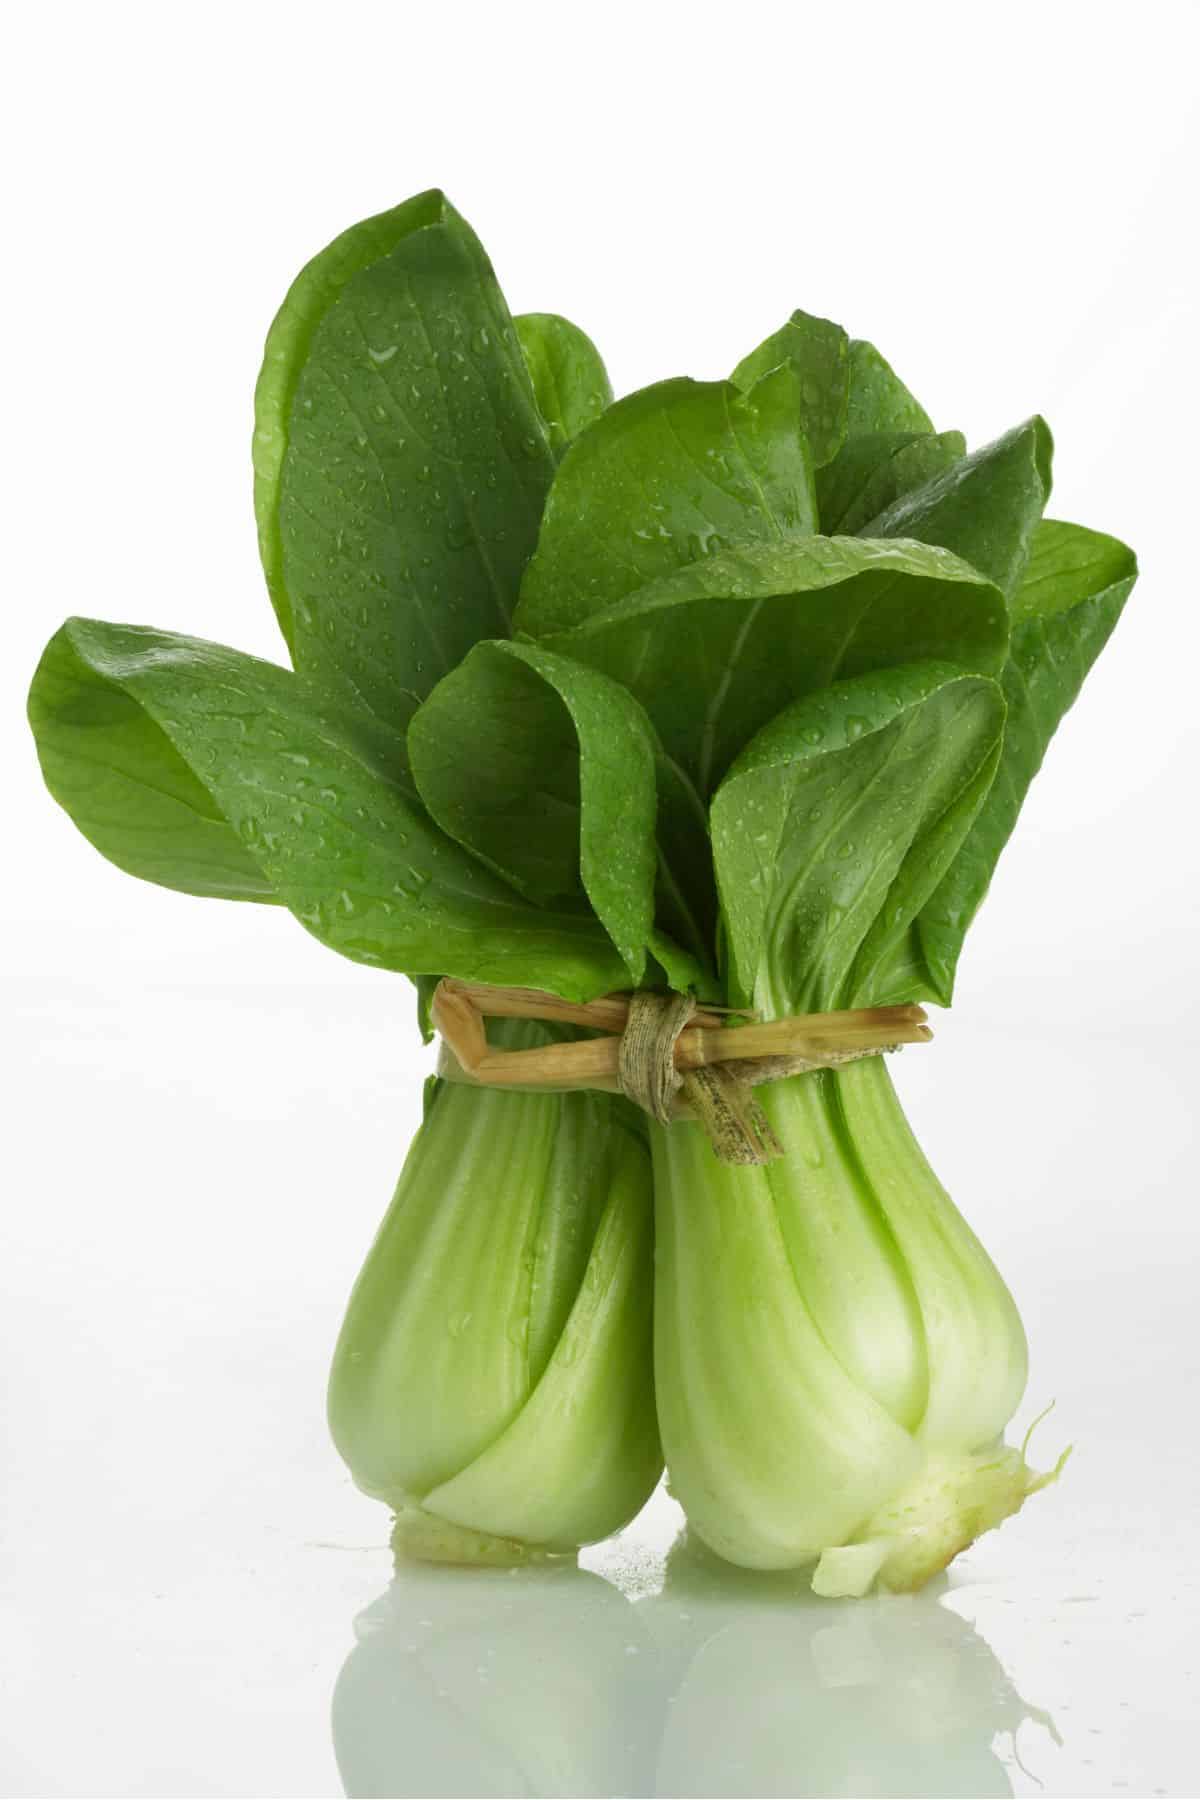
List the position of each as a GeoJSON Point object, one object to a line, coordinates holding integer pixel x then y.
{"type": "Point", "coordinates": [669, 1054]}
{"type": "Point", "coordinates": [737, 1126]}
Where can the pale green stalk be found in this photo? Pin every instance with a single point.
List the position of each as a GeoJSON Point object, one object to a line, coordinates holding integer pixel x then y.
{"type": "Point", "coordinates": [836, 1355]}
{"type": "Point", "coordinates": [492, 1382]}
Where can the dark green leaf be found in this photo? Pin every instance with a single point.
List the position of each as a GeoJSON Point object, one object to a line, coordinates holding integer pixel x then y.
{"type": "Point", "coordinates": [310, 297]}
{"type": "Point", "coordinates": [414, 468]}
{"type": "Point", "coordinates": [1070, 566]}
{"type": "Point", "coordinates": [570, 382]}
{"type": "Point", "coordinates": [714, 651]}
{"type": "Point", "coordinates": [126, 787]}
{"type": "Point", "coordinates": [819, 352]}
{"type": "Point", "coordinates": [835, 825]}
{"type": "Point", "coordinates": [1075, 585]}
{"type": "Point", "coordinates": [687, 890]}
{"type": "Point", "coordinates": [984, 507]}
{"type": "Point", "coordinates": [840, 484]}
{"type": "Point", "coordinates": [668, 965]}
{"type": "Point", "coordinates": [882, 418]}
{"type": "Point", "coordinates": [306, 786]}
{"type": "Point", "coordinates": [879, 400]}
{"type": "Point", "coordinates": [666, 478]}
{"type": "Point", "coordinates": [875, 470]}
{"type": "Point", "coordinates": [545, 770]}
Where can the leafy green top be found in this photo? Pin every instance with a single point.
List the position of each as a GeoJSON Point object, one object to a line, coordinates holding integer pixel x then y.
{"type": "Point", "coordinates": [785, 659]}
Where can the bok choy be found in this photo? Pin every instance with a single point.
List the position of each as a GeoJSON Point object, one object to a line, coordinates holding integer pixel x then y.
{"type": "Point", "coordinates": [731, 688]}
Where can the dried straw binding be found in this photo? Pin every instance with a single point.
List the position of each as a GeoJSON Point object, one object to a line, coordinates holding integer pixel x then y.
{"type": "Point", "coordinates": [671, 1056]}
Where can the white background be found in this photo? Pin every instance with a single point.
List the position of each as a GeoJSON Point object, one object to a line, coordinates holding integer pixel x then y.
{"type": "Point", "coordinates": [206, 1111]}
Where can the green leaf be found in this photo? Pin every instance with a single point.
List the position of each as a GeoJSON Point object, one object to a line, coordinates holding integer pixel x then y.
{"type": "Point", "coordinates": [666, 478]}
{"type": "Point", "coordinates": [683, 970]}
{"type": "Point", "coordinates": [984, 507]}
{"type": "Point", "coordinates": [545, 770]}
{"type": "Point", "coordinates": [840, 485]}
{"type": "Point", "coordinates": [307, 787]}
{"type": "Point", "coordinates": [570, 382]}
{"type": "Point", "coordinates": [882, 419]}
{"type": "Point", "coordinates": [310, 297]}
{"type": "Point", "coordinates": [552, 775]}
{"type": "Point", "coordinates": [125, 786]}
{"type": "Point", "coordinates": [819, 353]}
{"type": "Point", "coordinates": [414, 466]}
{"type": "Point", "coordinates": [426, 986]}
{"type": "Point", "coordinates": [714, 651]}
{"type": "Point", "coordinates": [1070, 566]}
{"type": "Point", "coordinates": [856, 414]}
{"type": "Point", "coordinates": [687, 887]}
{"type": "Point", "coordinates": [875, 470]}
{"type": "Point", "coordinates": [836, 824]}
{"type": "Point", "coordinates": [878, 399]}
{"type": "Point", "coordinates": [1075, 584]}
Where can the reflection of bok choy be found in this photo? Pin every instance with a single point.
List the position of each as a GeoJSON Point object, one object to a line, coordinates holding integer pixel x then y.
{"type": "Point", "coordinates": [482, 1685]}
{"type": "Point", "coordinates": [721, 1683]}
{"type": "Point", "coordinates": [734, 687]}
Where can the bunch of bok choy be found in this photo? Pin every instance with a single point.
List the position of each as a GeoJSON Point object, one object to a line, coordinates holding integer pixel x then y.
{"type": "Point", "coordinates": [732, 688]}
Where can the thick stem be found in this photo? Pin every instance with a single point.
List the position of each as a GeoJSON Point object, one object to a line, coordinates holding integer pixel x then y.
{"type": "Point", "coordinates": [854, 1280]}
{"type": "Point", "coordinates": [836, 1356]}
{"type": "Point", "coordinates": [975, 1344]}
{"type": "Point", "coordinates": [492, 1380]}
{"type": "Point", "coordinates": [773, 1449]}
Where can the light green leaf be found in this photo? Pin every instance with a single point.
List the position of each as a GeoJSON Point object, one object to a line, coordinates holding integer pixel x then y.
{"type": "Point", "coordinates": [984, 507]}
{"type": "Point", "coordinates": [714, 651]}
{"type": "Point", "coordinates": [545, 770]}
{"type": "Point", "coordinates": [404, 461]}
{"type": "Point", "coordinates": [307, 787]}
{"type": "Point", "coordinates": [836, 824]}
{"type": "Point", "coordinates": [1076, 582]}
{"type": "Point", "coordinates": [570, 382]}
{"type": "Point", "coordinates": [819, 352]}
{"type": "Point", "coordinates": [666, 478]}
